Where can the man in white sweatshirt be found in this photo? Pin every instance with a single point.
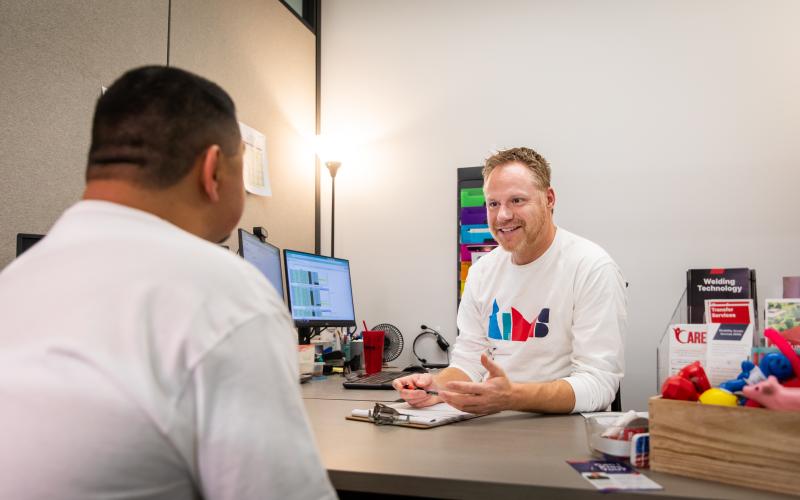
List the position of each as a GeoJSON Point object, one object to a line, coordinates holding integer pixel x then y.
{"type": "Point", "coordinates": [139, 359]}
{"type": "Point", "coordinates": [542, 317]}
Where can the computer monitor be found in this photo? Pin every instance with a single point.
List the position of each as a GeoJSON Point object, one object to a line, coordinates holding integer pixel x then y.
{"type": "Point", "coordinates": [266, 257]}
{"type": "Point", "coordinates": [26, 241]}
{"type": "Point", "coordinates": [319, 292]}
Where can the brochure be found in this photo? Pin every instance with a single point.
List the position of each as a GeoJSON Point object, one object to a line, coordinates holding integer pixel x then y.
{"type": "Point", "coordinates": [705, 284]}
{"type": "Point", "coordinates": [609, 476]}
{"type": "Point", "coordinates": [784, 315]}
{"type": "Point", "coordinates": [729, 311]}
{"type": "Point", "coordinates": [729, 339]}
{"type": "Point", "coordinates": [687, 344]}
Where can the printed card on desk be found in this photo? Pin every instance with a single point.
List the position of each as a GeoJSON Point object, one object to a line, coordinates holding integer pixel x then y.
{"type": "Point", "coordinates": [609, 476]}
{"type": "Point", "coordinates": [729, 338]}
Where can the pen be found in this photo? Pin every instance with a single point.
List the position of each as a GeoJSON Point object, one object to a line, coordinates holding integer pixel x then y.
{"type": "Point", "coordinates": [431, 393]}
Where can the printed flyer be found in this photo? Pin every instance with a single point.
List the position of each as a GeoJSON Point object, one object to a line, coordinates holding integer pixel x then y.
{"type": "Point", "coordinates": [784, 315]}
{"type": "Point", "coordinates": [609, 476]}
{"type": "Point", "coordinates": [729, 339]}
{"type": "Point", "coordinates": [687, 344]}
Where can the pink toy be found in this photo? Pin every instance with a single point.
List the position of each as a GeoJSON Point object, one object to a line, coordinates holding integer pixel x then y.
{"type": "Point", "coordinates": [773, 395]}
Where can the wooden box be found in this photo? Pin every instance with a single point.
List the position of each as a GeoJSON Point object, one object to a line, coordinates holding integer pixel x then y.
{"type": "Point", "coordinates": [752, 447]}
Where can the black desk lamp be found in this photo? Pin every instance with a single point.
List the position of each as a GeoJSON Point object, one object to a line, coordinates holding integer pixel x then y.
{"type": "Point", "coordinates": [333, 167]}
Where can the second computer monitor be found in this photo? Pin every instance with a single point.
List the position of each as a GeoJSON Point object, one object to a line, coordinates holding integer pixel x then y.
{"type": "Point", "coordinates": [266, 257]}
{"type": "Point", "coordinates": [319, 290]}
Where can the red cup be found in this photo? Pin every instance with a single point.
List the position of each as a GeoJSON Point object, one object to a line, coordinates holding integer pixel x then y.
{"type": "Point", "coordinates": [373, 351]}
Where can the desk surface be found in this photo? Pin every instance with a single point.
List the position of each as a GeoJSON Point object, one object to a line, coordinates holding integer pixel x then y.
{"type": "Point", "coordinates": [507, 455]}
{"type": "Point", "coordinates": [331, 388]}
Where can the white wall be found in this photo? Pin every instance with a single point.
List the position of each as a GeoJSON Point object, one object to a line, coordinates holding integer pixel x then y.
{"type": "Point", "coordinates": [670, 126]}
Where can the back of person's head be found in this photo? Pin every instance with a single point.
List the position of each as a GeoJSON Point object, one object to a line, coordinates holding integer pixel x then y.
{"type": "Point", "coordinates": [151, 125]}
{"type": "Point", "coordinates": [526, 156]}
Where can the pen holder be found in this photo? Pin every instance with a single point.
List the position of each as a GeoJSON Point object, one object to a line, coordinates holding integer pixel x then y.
{"type": "Point", "coordinates": [356, 359]}
{"type": "Point", "coordinates": [373, 350]}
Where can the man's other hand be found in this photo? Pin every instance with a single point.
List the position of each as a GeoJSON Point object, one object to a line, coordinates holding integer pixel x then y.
{"type": "Point", "coordinates": [414, 389]}
{"type": "Point", "coordinates": [491, 396]}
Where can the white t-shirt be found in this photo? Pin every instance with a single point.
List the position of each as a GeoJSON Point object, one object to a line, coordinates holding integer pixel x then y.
{"type": "Point", "coordinates": [140, 361]}
{"type": "Point", "coordinates": [562, 316]}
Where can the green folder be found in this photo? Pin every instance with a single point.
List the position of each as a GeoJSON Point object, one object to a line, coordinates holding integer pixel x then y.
{"type": "Point", "coordinates": [472, 197]}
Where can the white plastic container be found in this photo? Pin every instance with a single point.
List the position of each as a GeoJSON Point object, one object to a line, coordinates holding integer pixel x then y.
{"type": "Point", "coordinates": [611, 448]}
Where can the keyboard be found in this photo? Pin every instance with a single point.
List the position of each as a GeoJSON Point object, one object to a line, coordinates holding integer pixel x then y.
{"type": "Point", "coordinates": [380, 380]}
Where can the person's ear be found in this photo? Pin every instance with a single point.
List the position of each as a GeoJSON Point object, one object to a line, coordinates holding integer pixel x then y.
{"type": "Point", "coordinates": [209, 172]}
{"type": "Point", "coordinates": [551, 198]}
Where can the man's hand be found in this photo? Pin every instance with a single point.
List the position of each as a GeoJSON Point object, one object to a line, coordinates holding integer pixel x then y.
{"type": "Point", "coordinates": [413, 389]}
{"type": "Point", "coordinates": [492, 396]}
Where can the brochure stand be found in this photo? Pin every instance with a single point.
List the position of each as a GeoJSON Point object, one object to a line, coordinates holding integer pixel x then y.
{"type": "Point", "coordinates": [679, 315]}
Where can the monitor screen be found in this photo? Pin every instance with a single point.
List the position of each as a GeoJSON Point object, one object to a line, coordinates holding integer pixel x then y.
{"type": "Point", "coordinates": [319, 289]}
{"type": "Point", "coordinates": [25, 241]}
{"type": "Point", "coordinates": [266, 257]}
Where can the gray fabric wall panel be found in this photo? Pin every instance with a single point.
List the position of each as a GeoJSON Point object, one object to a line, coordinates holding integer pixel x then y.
{"type": "Point", "coordinates": [54, 57]}
{"type": "Point", "coordinates": [265, 58]}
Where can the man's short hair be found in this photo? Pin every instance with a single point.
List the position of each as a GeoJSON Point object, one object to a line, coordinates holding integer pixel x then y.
{"type": "Point", "coordinates": [526, 156]}
{"type": "Point", "coordinates": [151, 125]}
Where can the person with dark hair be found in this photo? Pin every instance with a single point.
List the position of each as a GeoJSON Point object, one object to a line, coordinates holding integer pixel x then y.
{"type": "Point", "coordinates": [140, 359]}
{"type": "Point", "coordinates": [542, 316]}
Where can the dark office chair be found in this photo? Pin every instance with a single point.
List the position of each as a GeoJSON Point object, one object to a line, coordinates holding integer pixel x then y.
{"type": "Point", "coordinates": [616, 405]}
{"type": "Point", "coordinates": [25, 241]}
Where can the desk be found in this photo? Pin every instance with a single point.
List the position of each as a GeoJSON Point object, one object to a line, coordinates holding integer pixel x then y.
{"type": "Point", "coordinates": [331, 388]}
{"type": "Point", "coordinates": [507, 455]}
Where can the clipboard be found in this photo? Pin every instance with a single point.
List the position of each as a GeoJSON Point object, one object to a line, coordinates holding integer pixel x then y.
{"type": "Point", "coordinates": [403, 415]}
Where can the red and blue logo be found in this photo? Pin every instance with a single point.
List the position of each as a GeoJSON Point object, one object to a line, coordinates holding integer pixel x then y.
{"type": "Point", "coordinates": [513, 326]}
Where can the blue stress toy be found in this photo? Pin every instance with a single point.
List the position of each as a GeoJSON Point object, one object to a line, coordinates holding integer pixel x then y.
{"type": "Point", "coordinates": [751, 374]}
{"type": "Point", "coordinates": [776, 364]}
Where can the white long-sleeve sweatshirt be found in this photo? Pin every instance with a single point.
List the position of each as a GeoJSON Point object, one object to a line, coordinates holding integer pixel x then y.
{"type": "Point", "coordinates": [562, 316]}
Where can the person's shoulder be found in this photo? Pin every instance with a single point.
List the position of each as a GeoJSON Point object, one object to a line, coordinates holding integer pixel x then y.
{"type": "Point", "coordinates": [583, 250]}
{"type": "Point", "coordinates": [214, 275]}
{"type": "Point", "coordinates": [205, 259]}
{"type": "Point", "coordinates": [169, 257]}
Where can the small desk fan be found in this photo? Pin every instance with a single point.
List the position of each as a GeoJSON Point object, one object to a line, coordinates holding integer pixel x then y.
{"type": "Point", "coordinates": [392, 341]}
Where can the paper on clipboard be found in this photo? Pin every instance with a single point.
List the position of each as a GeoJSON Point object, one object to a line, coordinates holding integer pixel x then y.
{"type": "Point", "coordinates": [430, 416]}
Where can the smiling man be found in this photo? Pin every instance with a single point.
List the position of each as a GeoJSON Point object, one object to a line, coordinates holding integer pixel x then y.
{"type": "Point", "coordinates": [548, 306]}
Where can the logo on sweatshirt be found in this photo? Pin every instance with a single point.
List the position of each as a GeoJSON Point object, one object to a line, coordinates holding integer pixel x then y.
{"type": "Point", "coordinates": [513, 325]}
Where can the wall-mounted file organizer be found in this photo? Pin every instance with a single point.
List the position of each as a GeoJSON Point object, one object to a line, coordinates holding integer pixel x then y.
{"type": "Point", "coordinates": [472, 197]}
{"type": "Point", "coordinates": [473, 215]}
{"type": "Point", "coordinates": [475, 233]}
{"type": "Point", "coordinates": [474, 238]}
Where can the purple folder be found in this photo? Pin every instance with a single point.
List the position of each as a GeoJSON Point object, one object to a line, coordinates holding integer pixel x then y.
{"type": "Point", "coordinates": [473, 215]}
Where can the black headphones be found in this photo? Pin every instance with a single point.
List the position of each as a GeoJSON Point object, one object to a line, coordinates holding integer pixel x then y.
{"type": "Point", "coordinates": [260, 233]}
{"type": "Point", "coordinates": [440, 341]}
